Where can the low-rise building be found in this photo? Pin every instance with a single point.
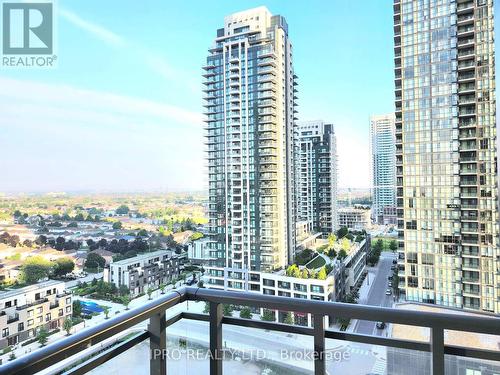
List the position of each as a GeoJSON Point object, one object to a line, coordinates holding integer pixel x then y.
{"type": "Point", "coordinates": [354, 218]}
{"type": "Point", "coordinates": [198, 251]}
{"type": "Point", "coordinates": [389, 215]}
{"type": "Point", "coordinates": [355, 264]}
{"type": "Point", "coordinates": [23, 311]}
{"type": "Point", "coordinates": [344, 275]}
{"type": "Point", "coordinates": [143, 271]}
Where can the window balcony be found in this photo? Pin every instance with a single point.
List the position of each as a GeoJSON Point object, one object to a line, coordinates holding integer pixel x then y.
{"type": "Point", "coordinates": [162, 314]}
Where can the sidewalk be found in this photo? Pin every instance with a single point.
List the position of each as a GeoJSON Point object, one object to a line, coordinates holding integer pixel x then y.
{"type": "Point", "coordinates": [364, 292]}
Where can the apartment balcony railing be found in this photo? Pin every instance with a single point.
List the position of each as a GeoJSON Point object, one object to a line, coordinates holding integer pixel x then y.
{"type": "Point", "coordinates": [155, 312]}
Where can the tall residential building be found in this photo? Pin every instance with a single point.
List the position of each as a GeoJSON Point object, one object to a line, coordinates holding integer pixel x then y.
{"type": "Point", "coordinates": [446, 153]}
{"type": "Point", "coordinates": [250, 107]}
{"type": "Point", "coordinates": [316, 171]}
{"type": "Point", "coordinates": [383, 167]}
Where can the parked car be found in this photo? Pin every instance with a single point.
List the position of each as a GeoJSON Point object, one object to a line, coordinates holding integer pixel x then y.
{"type": "Point", "coordinates": [394, 261]}
{"type": "Point", "coordinates": [388, 292]}
{"type": "Point", "coordinates": [389, 277]}
{"type": "Point", "coordinates": [390, 284]}
{"type": "Point", "coordinates": [380, 325]}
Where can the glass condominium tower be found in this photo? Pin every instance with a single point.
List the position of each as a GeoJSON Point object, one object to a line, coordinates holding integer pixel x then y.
{"type": "Point", "coordinates": [250, 107]}
{"type": "Point", "coordinates": [446, 153]}
{"type": "Point", "coordinates": [316, 176]}
{"type": "Point", "coordinates": [383, 164]}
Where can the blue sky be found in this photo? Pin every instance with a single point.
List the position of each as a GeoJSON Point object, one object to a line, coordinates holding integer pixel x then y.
{"type": "Point", "coordinates": [122, 110]}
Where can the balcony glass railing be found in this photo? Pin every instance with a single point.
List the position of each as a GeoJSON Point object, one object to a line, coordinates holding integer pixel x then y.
{"type": "Point", "coordinates": [161, 337]}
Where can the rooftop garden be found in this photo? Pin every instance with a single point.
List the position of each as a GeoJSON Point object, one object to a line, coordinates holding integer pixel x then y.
{"type": "Point", "coordinates": [317, 264]}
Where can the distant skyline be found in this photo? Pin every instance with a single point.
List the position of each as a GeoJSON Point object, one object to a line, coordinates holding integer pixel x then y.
{"type": "Point", "coordinates": [122, 111]}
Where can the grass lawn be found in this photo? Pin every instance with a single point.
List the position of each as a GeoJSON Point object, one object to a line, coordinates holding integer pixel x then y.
{"type": "Point", "coordinates": [316, 263]}
{"type": "Point", "coordinates": [385, 240]}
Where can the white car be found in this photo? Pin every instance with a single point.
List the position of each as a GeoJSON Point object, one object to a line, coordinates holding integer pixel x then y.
{"type": "Point", "coordinates": [388, 292]}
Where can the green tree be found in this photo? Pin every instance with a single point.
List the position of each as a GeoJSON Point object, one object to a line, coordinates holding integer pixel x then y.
{"type": "Point", "coordinates": [162, 288]}
{"type": "Point", "coordinates": [206, 310]}
{"type": "Point", "coordinates": [123, 290]}
{"type": "Point", "coordinates": [393, 245]}
{"type": "Point", "coordinates": [332, 253]}
{"type": "Point", "coordinates": [106, 311]}
{"type": "Point", "coordinates": [77, 308]}
{"type": "Point", "coordinates": [342, 254]}
{"type": "Point", "coordinates": [94, 260]}
{"type": "Point", "coordinates": [67, 325]}
{"type": "Point", "coordinates": [196, 236]}
{"type": "Point", "coordinates": [246, 313]}
{"type": "Point", "coordinates": [332, 238]}
{"type": "Point", "coordinates": [288, 318]}
{"type": "Point", "coordinates": [267, 315]}
{"type": "Point", "coordinates": [12, 356]}
{"type": "Point", "coordinates": [345, 244]}
{"type": "Point", "coordinates": [122, 210]}
{"type": "Point", "coordinates": [42, 336]}
{"type": "Point", "coordinates": [227, 310]}
{"type": "Point", "coordinates": [63, 266]}
{"type": "Point", "coordinates": [117, 225]}
{"type": "Point", "coordinates": [126, 301]}
{"type": "Point", "coordinates": [293, 271]}
{"type": "Point", "coordinates": [142, 233]}
{"type": "Point", "coordinates": [41, 240]}
{"type": "Point", "coordinates": [79, 217]}
{"type": "Point", "coordinates": [149, 292]}
{"type": "Point", "coordinates": [342, 232]}
{"type": "Point", "coordinates": [35, 268]}
{"type": "Point", "coordinates": [304, 274]}
{"type": "Point", "coordinates": [322, 274]}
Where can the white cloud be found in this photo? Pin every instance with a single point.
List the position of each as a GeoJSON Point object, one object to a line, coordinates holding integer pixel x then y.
{"type": "Point", "coordinates": [152, 59]}
{"type": "Point", "coordinates": [100, 32]}
{"type": "Point", "coordinates": [58, 137]}
{"type": "Point", "coordinates": [65, 99]}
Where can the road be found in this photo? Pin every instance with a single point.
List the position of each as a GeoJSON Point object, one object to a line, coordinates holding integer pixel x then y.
{"type": "Point", "coordinates": [287, 353]}
{"type": "Point", "coordinates": [91, 276]}
{"type": "Point", "coordinates": [377, 296]}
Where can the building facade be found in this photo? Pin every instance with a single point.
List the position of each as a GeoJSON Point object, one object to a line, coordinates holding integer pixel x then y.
{"type": "Point", "coordinates": [143, 271]}
{"type": "Point", "coordinates": [383, 167]}
{"type": "Point", "coordinates": [25, 310]}
{"type": "Point", "coordinates": [316, 172]}
{"type": "Point", "coordinates": [447, 196]}
{"type": "Point", "coordinates": [354, 218]}
{"type": "Point", "coordinates": [198, 251]}
{"type": "Point", "coordinates": [250, 98]}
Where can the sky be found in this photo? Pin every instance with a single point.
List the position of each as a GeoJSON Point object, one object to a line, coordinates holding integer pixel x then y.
{"type": "Point", "coordinates": [122, 111]}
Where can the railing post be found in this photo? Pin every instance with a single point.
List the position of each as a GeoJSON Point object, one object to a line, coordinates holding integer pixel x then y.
{"type": "Point", "coordinates": [437, 348]}
{"type": "Point", "coordinates": [319, 344]}
{"type": "Point", "coordinates": [215, 338]}
{"type": "Point", "coordinates": [157, 344]}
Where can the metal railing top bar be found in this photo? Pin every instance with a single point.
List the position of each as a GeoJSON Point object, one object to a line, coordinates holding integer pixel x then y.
{"type": "Point", "coordinates": [155, 312]}
{"type": "Point", "coordinates": [465, 323]}
{"type": "Point", "coordinates": [69, 346]}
